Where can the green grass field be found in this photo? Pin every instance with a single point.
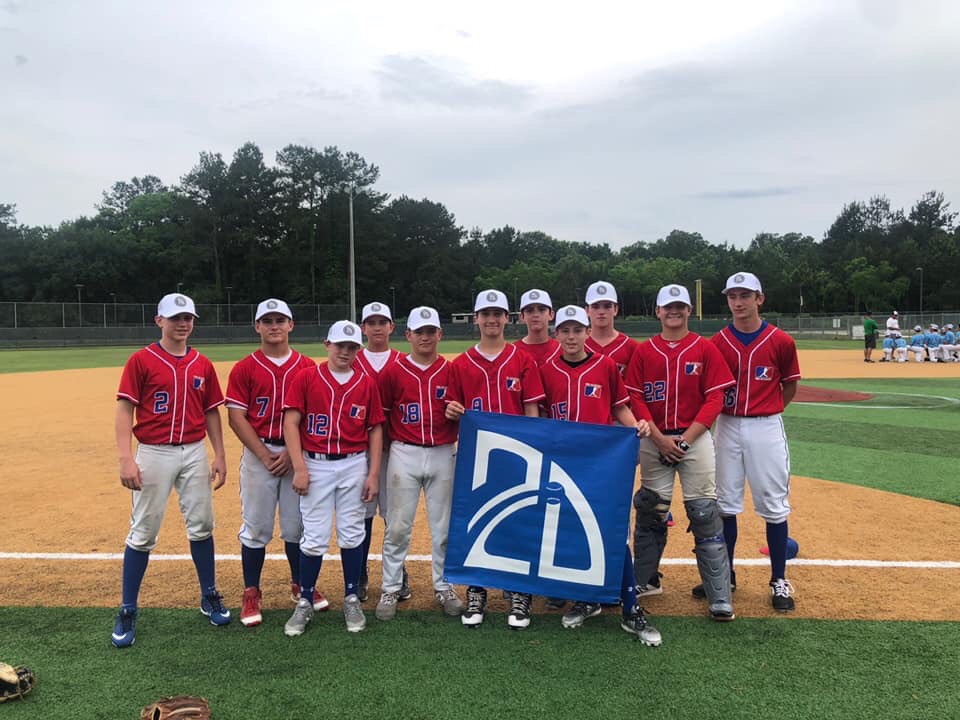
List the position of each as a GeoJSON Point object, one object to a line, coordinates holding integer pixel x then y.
{"type": "Point", "coordinates": [422, 665]}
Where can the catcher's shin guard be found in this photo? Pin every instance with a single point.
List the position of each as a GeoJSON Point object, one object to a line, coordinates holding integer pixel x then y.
{"type": "Point", "coordinates": [650, 532]}
{"type": "Point", "coordinates": [711, 551]}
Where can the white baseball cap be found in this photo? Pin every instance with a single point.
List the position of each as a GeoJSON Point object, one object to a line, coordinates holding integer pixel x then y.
{"type": "Point", "coordinates": [894, 313]}
{"type": "Point", "coordinates": [917, 328]}
{"type": "Point", "coordinates": [535, 297]}
{"type": "Point", "coordinates": [571, 313]}
{"type": "Point", "coordinates": [949, 326]}
{"type": "Point", "coordinates": [934, 326]}
{"type": "Point", "coordinates": [345, 331]}
{"type": "Point", "coordinates": [423, 316]}
{"type": "Point", "coordinates": [376, 308]}
{"type": "Point", "coordinates": [272, 305]}
{"type": "Point", "coordinates": [744, 281]}
{"type": "Point", "coordinates": [673, 293]}
{"type": "Point", "coordinates": [491, 299]}
{"type": "Point", "coordinates": [600, 291]}
{"type": "Point", "coordinates": [174, 304]}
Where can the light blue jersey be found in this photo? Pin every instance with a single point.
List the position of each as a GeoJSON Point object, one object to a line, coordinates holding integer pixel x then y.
{"type": "Point", "coordinates": [899, 343]}
{"type": "Point", "coordinates": [932, 339]}
{"type": "Point", "coordinates": [948, 338]}
{"type": "Point", "coordinates": [917, 340]}
{"type": "Point", "coordinates": [888, 343]}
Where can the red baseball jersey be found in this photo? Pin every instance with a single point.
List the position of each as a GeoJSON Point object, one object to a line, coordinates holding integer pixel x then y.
{"type": "Point", "coordinates": [414, 402]}
{"type": "Point", "coordinates": [586, 393]}
{"type": "Point", "coordinates": [259, 386]}
{"type": "Point", "coordinates": [172, 395]}
{"type": "Point", "coordinates": [502, 385]}
{"type": "Point", "coordinates": [335, 418]}
{"type": "Point", "coordinates": [362, 363]}
{"type": "Point", "coordinates": [674, 384]}
{"type": "Point", "coordinates": [540, 352]}
{"type": "Point", "coordinates": [760, 369]}
{"type": "Point", "coordinates": [621, 350]}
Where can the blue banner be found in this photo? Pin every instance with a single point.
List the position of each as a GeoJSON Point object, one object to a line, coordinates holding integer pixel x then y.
{"type": "Point", "coordinates": [541, 506]}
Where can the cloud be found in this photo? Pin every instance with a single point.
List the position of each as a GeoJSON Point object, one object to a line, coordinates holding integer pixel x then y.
{"type": "Point", "coordinates": [20, 60]}
{"type": "Point", "coordinates": [415, 81]}
{"type": "Point", "coordinates": [747, 193]}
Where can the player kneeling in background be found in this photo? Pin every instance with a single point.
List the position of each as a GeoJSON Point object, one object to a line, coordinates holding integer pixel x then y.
{"type": "Point", "coordinates": [494, 376]}
{"type": "Point", "coordinates": [676, 381]}
{"type": "Point", "coordinates": [332, 424]}
{"type": "Point", "coordinates": [174, 393]}
{"type": "Point", "coordinates": [583, 386]}
{"type": "Point", "coordinates": [421, 457]}
{"type": "Point", "coordinates": [917, 343]}
{"type": "Point", "coordinates": [751, 440]}
{"type": "Point", "coordinates": [255, 392]}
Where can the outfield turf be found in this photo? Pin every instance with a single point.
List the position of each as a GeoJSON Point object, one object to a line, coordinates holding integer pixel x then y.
{"type": "Point", "coordinates": [424, 665]}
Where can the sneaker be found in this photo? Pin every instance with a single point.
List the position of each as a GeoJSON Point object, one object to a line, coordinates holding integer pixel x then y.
{"type": "Point", "coordinates": [353, 614]}
{"type": "Point", "coordinates": [652, 587]}
{"type": "Point", "coordinates": [555, 603]}
{"type": "Point", "coordinates": [125, 628]}
{"type": "Point", "coordinates": [363, 593]}
{"type": "Point", "coordinates": [212, 606]}
{"type": "Point", "coordinates": [476, 606]}
{"type": "Point", "coordinates": [301, 617]}
{"type": "Point", "coordinates": [700, 594]}
{"type": "Point", "coordinates": [320, 603]}
{"type": "Point", "coordinates": [450, 602]}
{"type": "Point", "coordinates": [636, 624]}
{"type": "Point", "coordinates": [250, 608]}
{"type": "Point", "coordinates": [519, 616]}
{"type": "Point", "coordinates": [404, 593]}
{"type": "Point", "coordinates": [580, 612]}
{"type": "Point", "coordinates": [387, 607]}
{"type": "Point", "coordinates": [780, 595]}
{"type": "Point", "coordinates": [722, 612]}
{"type": "Point", "coordinates": [295, 591]}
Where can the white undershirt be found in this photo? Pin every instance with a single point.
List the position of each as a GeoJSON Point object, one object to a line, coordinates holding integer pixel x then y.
{"type": "Point", "coordinates": [377, 360]}
{"type": "Point", "coordinates": [488, 356]}
{"type": "Point", "coordinates": [342, 377]}
{"type": "Point", "coordinates": [414, 362]}
{"type": "Point", "coordinates": [279, 361]}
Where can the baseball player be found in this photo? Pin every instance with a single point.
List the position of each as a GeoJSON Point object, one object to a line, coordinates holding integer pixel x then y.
{"type": "Point", "coordinates": [582, 386]}
{"type": "Point", "coordinates": [536, 312]}
{"type": "Point", "coordinates": [332, 425]}
{"type": "Point", "coordinates": [169, 399]}
{"type": "Point", "coordinates": [421, 457]}
{"type": "Point", "coordinates": [676, 381]}
{"type": "Point", "coordinates": [888, 346]}
{"type": "Point", "coordinates": [917, 343]}
{"type": "Point", "coordinates": [255, 393]}
{"type": "Point", "coordinates": [751, 441]}
{"type": "Point", "coordinates": [900, 348]}
{"type": "Point", "coordinates": [494, 376]}
{"type": "Point", "coordinates": [948, 343]}
{"type": "Point", "coordinates": [376, 321]}
{"type": "Point", "coordinates": [932, 342]}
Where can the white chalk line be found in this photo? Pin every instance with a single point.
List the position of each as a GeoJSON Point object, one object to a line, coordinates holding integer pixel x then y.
{"type": "Point", "coordinates": [159, 557]}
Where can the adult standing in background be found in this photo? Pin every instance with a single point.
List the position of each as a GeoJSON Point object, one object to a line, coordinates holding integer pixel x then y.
{"type": "Point", "coordinates": [870, 330]}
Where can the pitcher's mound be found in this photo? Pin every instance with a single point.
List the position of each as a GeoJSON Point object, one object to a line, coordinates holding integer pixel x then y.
{"type": "Point", "coordinates": [806, 393]}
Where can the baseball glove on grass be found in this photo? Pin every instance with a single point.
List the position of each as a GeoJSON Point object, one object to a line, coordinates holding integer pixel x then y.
{"type": "Point", "coordinates": [178, 707]}
{"type": "Point", "coordinates": [15, 682]}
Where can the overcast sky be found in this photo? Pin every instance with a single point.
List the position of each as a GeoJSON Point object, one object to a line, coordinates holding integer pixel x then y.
{"type": "Point", "coordinates": [606, 122]}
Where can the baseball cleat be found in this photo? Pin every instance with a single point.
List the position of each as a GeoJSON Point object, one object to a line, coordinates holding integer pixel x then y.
{"type": "Point", "coordinates": [722, 612]}
{"type": "Point", "coordinates": [250, 614]}
{"type": "Point", "coordinates": [653, 587]}
{"type": "Point", "coordinates": [636, 624]}
{"type": "Point", "coordinates": [781, 595]}
{"type": "Point", "coordinates": [212, 606]}
{"type": "Point", "coordinates": [387, 607]}
{"type": "Point", "coordinates": [553, 603]}
{"type": "Point", "coordinates": [405, 593]}
{"type": "Point", "coordinates": [363, 591]}
{"type": "Point", "coordinates": [476, 606]}
{"type": "Point", "coordinates": [301, 617]}
{"type": "Point", "coordinates": [125, 628]}
{"type": "Point", "coordinates": [353, 614]}
{"type": "Point", "coordinates": [519, 617]}
{"type": "Point", "coordinates": [320, 603]}
{"type": "Point", "coordinates": [579, 613]}
{"type": "Point", "coordinates": [450, 602]}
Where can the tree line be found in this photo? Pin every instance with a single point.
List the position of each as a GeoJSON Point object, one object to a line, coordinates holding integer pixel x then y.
{"type": "Point", "coordinates": [252, 229]}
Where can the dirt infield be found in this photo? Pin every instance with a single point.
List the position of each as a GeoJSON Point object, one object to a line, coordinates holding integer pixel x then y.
{"type": "Point", "coordinates": [62, 495]}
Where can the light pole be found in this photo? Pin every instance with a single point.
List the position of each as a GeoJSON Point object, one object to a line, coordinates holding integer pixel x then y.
{"type": "Point", "coordinates": [179, 285]}
{"type": "Point", "coordinates": [228, 289]}
{"type": "Point", "coordinates": [113, 296]}
{"type": "Point", "coordinates": [79, 288]}
{"type": "Point", "coordinates": [393, 299]}
{"type": "Point", "coordinates": [920, 270]}
{"type": "Point", "coordinates": [352, 270]}
{"type": "Point", "coordinates": [516, 298]}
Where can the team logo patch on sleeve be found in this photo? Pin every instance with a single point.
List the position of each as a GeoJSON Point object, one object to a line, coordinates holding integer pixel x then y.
{"type": "Point", "coordinates": [358, 411]}
{"type": "Point", "coordinates": [692, 368]}
{"type": "Point", "coordinates": [762, 372]}
{"type": "Point", "coordinates": [197, 382]}
{"type": "Point", "coordinates": [513, 384]}
{"type": "Point", "coordinates": [440, 392]}
{"type": "Point", "coordinates": [592, 390]}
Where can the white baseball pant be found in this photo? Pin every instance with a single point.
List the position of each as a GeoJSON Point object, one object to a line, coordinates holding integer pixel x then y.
{"type": "Point", "coordinates": [336, 487]}
{"type": "Point", "coordinates": [261, 493]}
{"type": "Point", "coordinates": [697, 470]}
{"type": "Point", "coordinates": [753, 449]}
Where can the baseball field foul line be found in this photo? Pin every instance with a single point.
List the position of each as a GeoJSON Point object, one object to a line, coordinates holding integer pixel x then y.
{"type": "Point", "coordinates": [914, 564]}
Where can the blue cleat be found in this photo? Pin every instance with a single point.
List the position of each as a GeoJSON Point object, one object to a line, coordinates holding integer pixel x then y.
{"type": "Point", "coordinates": [212, 606]}
{"type": "Point", "coordinates": [125, 628]}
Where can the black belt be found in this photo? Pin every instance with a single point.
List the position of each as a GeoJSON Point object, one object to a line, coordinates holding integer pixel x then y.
{"type": "Point", "coordinates": [678, 431]}
{"type": "Point", "coordinates": [331, 456]}
{"type": "Point", "coordinates": [274, 441]}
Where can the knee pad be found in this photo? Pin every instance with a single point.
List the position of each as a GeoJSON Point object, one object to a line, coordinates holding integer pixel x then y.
{"type": "Point", "coordinates": [711, 551]}
{"type": "Point", "coordinates": [649, 533]}
{"type": "Point", "coordinates": [651, 509]}
{"type": "Point", "coordinates": [705, 521]}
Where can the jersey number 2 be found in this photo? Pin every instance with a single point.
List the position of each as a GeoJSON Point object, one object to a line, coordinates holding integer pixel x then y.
{"type": "Point", "coordinates": [161, 402]}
